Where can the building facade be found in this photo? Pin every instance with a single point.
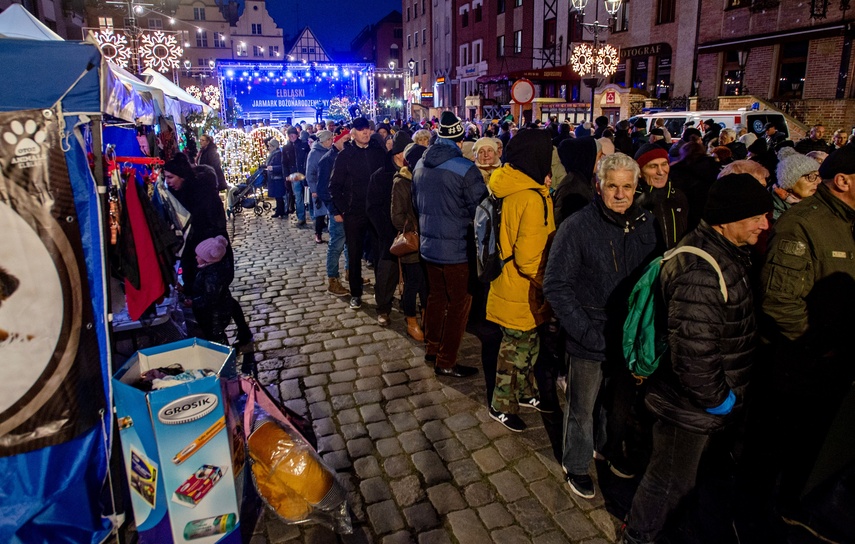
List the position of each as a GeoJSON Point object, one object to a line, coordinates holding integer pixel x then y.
{"type": "Point", "coordinates": [442, 54]}
{"type": "Point", "coordinates": [65, 17]}
{"type": "Point", "coordinates": [419, 28]}
{"type": "Point", "coordinates": [381, 44]}
{"type": "Point", "coordinates": [794, 55]}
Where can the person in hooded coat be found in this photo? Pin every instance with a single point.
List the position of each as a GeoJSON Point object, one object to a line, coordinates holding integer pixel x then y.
{"type": "Point", "coordinates": [623, 142]}
{"type": "Point", "coordinates": [516, 300]}
{"type": "Point", "coordinates": [579, 157]}
{"type": "Point", "coordinates": [378, 206]}
{"type": "Point", "coordinates": [276, 177]}
{"type": "Point", "coordinates": [694, 173]}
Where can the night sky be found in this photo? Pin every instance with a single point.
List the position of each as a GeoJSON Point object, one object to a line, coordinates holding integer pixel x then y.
{"type": "Point", "coordinates": [335, 22]}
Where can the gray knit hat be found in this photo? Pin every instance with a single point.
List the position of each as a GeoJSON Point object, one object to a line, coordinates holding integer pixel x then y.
{"type": "Point", "coordinates": [792, 165]}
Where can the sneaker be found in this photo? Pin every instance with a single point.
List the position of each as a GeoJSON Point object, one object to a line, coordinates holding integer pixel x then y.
{"type": "Point", "coordinates": [621, 469]}
{"type": "Point", "coordinates": [561, 382]}
{"type": "Point", "coordinates": [511, 421]}
{"type": "Point", "coordinates": [383, 320]}
{"type": "Point", "coordinates": [582, 485]}
{"type": "Point", "coordinates": [534, 404]}
{"type": "Point", "coordinates": [355, 303]}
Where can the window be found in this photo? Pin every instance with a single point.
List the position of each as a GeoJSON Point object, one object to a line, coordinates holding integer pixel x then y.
{"type": "Point", "coordinates": [550, 27]}
{"type": "Point", "coordinates": [155, 24]}
{"type": "Point", "coordinates": [424, 36]}
{"type": "Point", "coordinates": [202, 63]}
{"type": "Point", "coordinates": [478, 13]}
{"type": "Point", "coordinates": [198, 14]}
{"type": "Point", "coordinates": [128, 22]}
{"type": "Point", "coordinates": [791, 69]}
{"type": "Point", "coordinates": [517, 3]}
{"type": "Point", "coordinates": [424, 66]}
{"type": "Point", "coordinates": [240, 51]}
{"type": "Point", "coordinates": [105, 22]}
{"type": "Point", "coordinates": [273, 51]}
{"type": "Point", "coordinates": [500, 6]}
{"type": "Point", "coordinates": [465, 19]}
{"type": "Point", "coordinates": [666, 11]}
{"type": "Point", "coordinates": [734, 4]}
{"type": "Point", "coordinates": [257, 51]}
{"type": "Point", "coordinates": [476, 52]}
{"type": "Point", "coordinates": [398, 33]}
{"type": "Point", "coordinates": [500, 46]}
{"type": "Point", "coordinates": [415, 10]}
{"type": "Point", "coordinates": [409, 42]}
{"type": "Point", "coordinates": [575, 28]}
{"type": "Point", "coordinates": [622, 17]}
{"type": "Point", "coordinates": [219, 39]}
{"type": "Point", "coordinates": [256, 29]}
{"type": "Point", "coordinates": [393, 51]}
{"type": "Point", "coordinates": [304, 50]}
{"type": "Point", "coordinates": [416, 39]}
{"type": "Point", "coordinates": [202, 39]}
{"type": "Point", "coordinates": [416, 70]}
{"type": "Point", "coordinates": [464, 55]}
{"type": "Point", "coordinates": [518, 41]}
{"type": "Point", "coordinates": [408, 13]}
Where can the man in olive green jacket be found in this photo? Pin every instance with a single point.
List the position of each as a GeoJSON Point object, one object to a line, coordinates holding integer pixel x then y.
{"type": "Point", "coordinates": [809, 304]}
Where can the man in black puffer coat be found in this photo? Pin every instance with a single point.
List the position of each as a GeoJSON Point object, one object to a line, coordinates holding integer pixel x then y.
{"type": "Point", "coordinates": [699, 387]}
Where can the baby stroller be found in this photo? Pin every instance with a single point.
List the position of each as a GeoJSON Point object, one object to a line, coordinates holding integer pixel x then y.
{"type": "Point", "coordinates": [249, 196]}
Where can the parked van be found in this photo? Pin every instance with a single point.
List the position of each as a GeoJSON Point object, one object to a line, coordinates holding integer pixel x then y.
{"type": "Point", "coordinates": [753, 120]}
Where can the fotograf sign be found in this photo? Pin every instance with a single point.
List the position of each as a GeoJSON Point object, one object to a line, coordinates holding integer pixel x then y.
{"type": "Point", "coordinates": [654, 49]}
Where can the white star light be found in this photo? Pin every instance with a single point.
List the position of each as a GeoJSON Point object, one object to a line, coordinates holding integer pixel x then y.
{"type": "Point", "coordinates": [160, 51]}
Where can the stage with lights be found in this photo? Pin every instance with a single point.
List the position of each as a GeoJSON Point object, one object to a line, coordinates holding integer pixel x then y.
{"type": "Point", "coordinates": [292, 92]}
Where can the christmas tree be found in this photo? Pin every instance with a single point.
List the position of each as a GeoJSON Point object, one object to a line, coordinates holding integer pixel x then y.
{"type": "Point", "coordinates": [338, 109]}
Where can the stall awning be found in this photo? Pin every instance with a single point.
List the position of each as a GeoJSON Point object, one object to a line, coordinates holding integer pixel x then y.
{"type": "Point", "coordinates": [174, 91]}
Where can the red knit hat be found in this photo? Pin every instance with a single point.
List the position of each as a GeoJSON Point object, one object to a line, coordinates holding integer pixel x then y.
{"type": "Point", "coordinates": [341, 135]}
{"type": "Point", "coordinates": [650, 152]}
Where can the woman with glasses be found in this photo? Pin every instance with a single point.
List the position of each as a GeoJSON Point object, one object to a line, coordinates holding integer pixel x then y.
{"type": "Point", "coordinates": [798, 178]}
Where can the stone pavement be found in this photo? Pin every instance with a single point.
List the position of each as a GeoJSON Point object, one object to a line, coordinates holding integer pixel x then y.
{"type": "Point", "coordinates": [420, 457]}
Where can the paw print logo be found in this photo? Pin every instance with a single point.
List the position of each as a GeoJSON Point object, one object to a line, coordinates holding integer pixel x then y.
{"type": "Point", "coordinates": [26, 137]}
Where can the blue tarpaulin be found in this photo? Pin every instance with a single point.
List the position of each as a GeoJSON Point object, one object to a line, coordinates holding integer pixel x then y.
{"type": "Point", "coordinates": [53, 494]}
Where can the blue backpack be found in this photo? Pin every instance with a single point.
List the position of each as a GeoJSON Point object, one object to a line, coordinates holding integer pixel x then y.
{"type": "Point", "coordinates": [645, 331]}
{"type": "Point", "coordinates": [488, 220]}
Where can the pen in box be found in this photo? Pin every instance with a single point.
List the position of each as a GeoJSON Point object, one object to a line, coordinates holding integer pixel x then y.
{"type": "Point", "coordinates": [200, 441]}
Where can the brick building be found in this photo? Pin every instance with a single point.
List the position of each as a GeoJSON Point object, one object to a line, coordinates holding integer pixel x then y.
{"type": "Point", "coordinates": [795, 55]}
{"type": "Point", "coordinates": [381, 44]}
{"type": "Point", "coordinates": [444, 57]}
{"type": "Point", "coordinates": [491, 40]}
{"type": "Point", "coordinates": [418, 47]}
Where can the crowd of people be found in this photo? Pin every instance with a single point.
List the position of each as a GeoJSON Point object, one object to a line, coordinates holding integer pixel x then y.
{"type": "Point", "coordinates": [756, 312]}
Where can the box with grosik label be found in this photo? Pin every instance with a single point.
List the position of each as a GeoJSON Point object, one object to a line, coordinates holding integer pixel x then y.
{"type": "Point", "coordinates": [183, 444]}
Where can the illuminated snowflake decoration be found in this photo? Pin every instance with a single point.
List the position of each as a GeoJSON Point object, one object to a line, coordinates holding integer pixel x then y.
{"type": "Point", "coordinates": [607, 60]}
{"type": "Point", "coordinates": [160, 51]}
{"type": "Point", "coordinates": [212, 96]}
{"type": "Point", "coordinates": [194, 91]}
{"type": "Point", "coordinates": [114, 47]}
{"type": "Point", "coordinates": [582, 59]}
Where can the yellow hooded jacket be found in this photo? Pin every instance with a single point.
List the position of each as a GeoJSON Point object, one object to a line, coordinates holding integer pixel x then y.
{"type": "Point", "coordinates": [516, 297]}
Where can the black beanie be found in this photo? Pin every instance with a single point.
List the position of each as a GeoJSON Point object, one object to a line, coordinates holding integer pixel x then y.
{"type": "Point", "coordinates": [400, 141]}
{"type": "Point", "coordinates": [735, 197]}
{"type": "Point", "coordinates": [758, 147]}
{"type": "Point", "coordinates": [180, 166]}
{"type": "Point", "coordinates": [413, 153]}
{"type": "Point", "coordinates": [450, 127]}
{"type": "Point", "coordinates": [530, 152]}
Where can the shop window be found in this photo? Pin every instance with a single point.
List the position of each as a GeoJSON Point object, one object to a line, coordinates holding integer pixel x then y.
{"type": "Point", "coordinates": [666, 12]}
{"type": "Point", "coordinates": [639, 74]}
{"type": "Point", "coordinates": [791, 70]}
{"type": "Point", "coordinates": [730, 74]}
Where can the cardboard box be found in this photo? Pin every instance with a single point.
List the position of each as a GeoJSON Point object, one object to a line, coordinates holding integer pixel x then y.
{"type": "Point", "coordinates": [183, 445]}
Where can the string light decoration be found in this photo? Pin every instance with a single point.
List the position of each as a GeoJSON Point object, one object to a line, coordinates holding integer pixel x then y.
{"type": "Point", "coordinates": [582, 59]}
{"type": "Point", "coordinates": [160, 52]}
{"type": "Point", "coordinates": [212, 96]}
{"type": "Point", "coordinates": [338, 109]}
{"type": "Point", "coordinates": [259, 148]}
{"type": "Point", "coordinates": [236, 150]}
{"type": "Point", "coordinates": [194, 91]}
{"type": "Point", "coordinates": [114, 47]}
{"type": "Point", "coordinates": [607, 59]}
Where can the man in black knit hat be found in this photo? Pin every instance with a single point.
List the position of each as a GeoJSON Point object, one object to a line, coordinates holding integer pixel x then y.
{"type": "Point", "coordinates": [700, 385]}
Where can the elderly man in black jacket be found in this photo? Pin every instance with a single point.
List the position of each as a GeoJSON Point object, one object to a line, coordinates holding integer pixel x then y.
{"type": "Point", "coordinates": [588, 279]}
{"type": "Point", "coordinates": [349, 189]}
{"type": "Point", "coordinates": [699, 387]}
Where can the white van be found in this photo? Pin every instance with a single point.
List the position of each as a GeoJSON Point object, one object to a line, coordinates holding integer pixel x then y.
{"type": "Point", "coordinates": [753, 120]}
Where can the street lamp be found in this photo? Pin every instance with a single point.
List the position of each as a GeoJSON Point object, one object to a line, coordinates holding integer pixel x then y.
{"type": "Point", "coordinates": [411, 64]}
{"type": "Point", "coordinates": [697, 83]}
{"type": "Point", "coordinates": [742, 56]}
{"type": "Point", "coordinates": [595, 63]}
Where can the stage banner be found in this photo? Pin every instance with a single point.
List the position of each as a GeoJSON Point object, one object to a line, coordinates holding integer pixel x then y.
{"type": "Point", "coordinates": [51, 382]}
{"type": "Point", "coordinates": [266, 97]}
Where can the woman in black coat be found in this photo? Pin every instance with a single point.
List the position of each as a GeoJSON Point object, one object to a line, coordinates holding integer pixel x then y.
{"type": "Point", "coordinates": [694, 173]}
{"type": "Point", "coordinates": [209, 155]}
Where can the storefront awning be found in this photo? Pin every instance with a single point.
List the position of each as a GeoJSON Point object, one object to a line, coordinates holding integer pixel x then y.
{"type": "Point", "coordinates": [495, 78]}
{"type": "Point", "coordinates": [555, 73]}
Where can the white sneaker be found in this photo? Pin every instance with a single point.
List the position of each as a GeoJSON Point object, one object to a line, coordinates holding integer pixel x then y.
{"type": "Point", "coordinates": [561, 382]}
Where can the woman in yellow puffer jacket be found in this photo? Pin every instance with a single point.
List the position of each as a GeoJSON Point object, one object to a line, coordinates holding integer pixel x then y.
{"type": "Point", "coordinates": [516, 300]}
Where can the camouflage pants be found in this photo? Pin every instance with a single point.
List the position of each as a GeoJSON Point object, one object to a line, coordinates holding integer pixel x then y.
{"type": "Point", "coordinates": [515, 369]}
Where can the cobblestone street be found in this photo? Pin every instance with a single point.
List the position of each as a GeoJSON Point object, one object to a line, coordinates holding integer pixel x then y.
{"type": "Point", "coordinates": [420, 457]}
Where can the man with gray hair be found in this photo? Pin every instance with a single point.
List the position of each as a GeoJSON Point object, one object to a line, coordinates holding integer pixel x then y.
{"type": "Point", "coordinates": [727, 138]}
{"type": "Point", "coordinates": [587, 282]}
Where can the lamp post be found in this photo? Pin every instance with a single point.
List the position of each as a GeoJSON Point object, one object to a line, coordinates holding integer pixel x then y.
{"type": "Point", "coordinates": [411, 64]}
{"type": "Point", "coordinates": [595, 63]}
{"type": "Point", "coordinates": [697, 84]}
